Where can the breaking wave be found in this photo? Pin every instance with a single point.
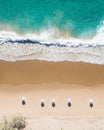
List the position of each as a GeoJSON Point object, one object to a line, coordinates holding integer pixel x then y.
{"type": "Point", "coordinates": [52, 45]}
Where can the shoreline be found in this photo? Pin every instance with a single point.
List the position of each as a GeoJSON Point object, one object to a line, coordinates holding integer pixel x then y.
{"type": "Point", "coordinates": [51, 52]}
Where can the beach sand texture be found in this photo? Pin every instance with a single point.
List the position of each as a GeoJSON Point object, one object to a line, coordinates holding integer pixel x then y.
{"type": "Point", "coordinates": [53, 80]}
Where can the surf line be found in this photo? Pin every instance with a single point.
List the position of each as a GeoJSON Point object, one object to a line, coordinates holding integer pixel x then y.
{"type": "Point", "coordinates": [64, 44]}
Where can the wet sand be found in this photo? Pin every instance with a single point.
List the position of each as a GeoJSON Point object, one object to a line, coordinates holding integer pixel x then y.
{"type": "Point", "coordinates": [61, 80]}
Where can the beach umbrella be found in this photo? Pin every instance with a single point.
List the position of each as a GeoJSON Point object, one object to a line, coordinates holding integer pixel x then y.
{"type": "Point", "coordinates": [42, 103]}
{"type": "Point", "coordinates": [53, 103]}
{"type": "Point", "coordinates": [91, 103]}
{"type": "Point", "coordinates": [69, 103]}
{"type": "Point", "coordinates": [23, 100]}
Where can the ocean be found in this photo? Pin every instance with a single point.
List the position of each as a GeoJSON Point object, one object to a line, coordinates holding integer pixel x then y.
{"type": "Point", "coordinates": [57, 30]}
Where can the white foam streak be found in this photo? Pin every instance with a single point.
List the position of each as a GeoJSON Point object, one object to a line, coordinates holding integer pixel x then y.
{"type": "Point", "coordinates": [99, 38]}
{"type": "Point", "coordinates": [54, 35]}
{"type": "Point", "coordinates": [16, 51]}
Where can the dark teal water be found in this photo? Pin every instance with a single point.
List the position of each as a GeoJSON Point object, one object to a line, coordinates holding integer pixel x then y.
{"type": "Point", "coordinates": [75, 16]}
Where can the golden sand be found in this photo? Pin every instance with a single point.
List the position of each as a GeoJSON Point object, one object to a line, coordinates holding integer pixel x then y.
{"type": "Point", "coordinates": [61, 80]}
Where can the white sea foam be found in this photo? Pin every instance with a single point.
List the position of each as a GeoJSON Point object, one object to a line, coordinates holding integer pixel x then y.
{"type": "Point", "coordinates": [99, 38]}
{"type": "Point", "coordinates": [91, 50]}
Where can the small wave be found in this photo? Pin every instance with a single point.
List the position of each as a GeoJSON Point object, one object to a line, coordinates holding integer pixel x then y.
{"type": "Point", "coordinates": [99, 37]}
{"type": "Point", "coordinates": [63, 44]}
{"type": "Point", "coordinates": [50, 45]}
{"type": "Point", "coordinates": [53, 35]}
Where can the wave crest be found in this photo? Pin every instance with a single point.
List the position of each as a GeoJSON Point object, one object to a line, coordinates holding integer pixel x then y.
{"type": "Point", "coordinates": [51, 45]}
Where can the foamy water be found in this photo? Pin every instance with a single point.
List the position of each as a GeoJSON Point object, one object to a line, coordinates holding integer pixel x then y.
{"type": "Point", "coordinates": [51, 45]}
{"type": "Point", "coordinates": [57, 30]}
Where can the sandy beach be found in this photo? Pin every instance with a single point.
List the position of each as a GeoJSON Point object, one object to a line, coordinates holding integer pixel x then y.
{"type": "Point", "coordinates": [53, 80]}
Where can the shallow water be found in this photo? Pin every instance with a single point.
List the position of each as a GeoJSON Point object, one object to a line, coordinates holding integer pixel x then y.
{"type": "Point", "coordinates": [76, 17]}
{"type": "Point", "coordinates": [59, 24]}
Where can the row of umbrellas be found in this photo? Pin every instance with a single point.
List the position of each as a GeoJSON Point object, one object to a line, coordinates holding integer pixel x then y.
{"type": "Point", "coordinates": [69, 103]}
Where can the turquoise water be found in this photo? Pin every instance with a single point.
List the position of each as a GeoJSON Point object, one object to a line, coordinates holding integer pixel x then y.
{"type": "Point", "coordinates": [74, 16]}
